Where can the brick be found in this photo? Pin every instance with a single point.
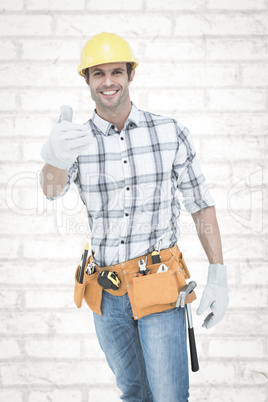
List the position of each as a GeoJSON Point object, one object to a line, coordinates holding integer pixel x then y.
{"type": "Point", "coordinates": [237, 5]}
{"type": "Point", "coordinates": [14, 5]}
{"type": "Point", "coordinates": [244, 298]}
{"type": "Point", "coordinates": [9, 151]}
{"type": "Point", "coordinates": [252, 373]}
{"type": "Point", "coordinates": [8, 49]}
{"type": "Point", "coordinates": [24, 323]}
{"type": "Point", "coordinates": [252, 273]}
{"type": "Point", "coordinates": [6, 126]}
{"type": "Point", "coordinates": [68, 395]}
{"type": "Point", "coordinates": [253, 174]}
{"type": "Point", "coordinates": [169, 50]}
{"type": "Point", "coordinates": [92, 349]}
{"type": "Point", "coordinates": [187, 75]}
{"type": "Point", "coordinates": [49, 49]}
{"type": "Point", "coordinates": [10, 248]}
{"type": "Point", "coordinates": [51, 99]}
{"type": "Point", "coordinates": [52, 348]}
{"type": "Point", "coordinates": [19, 174]}
{"type": "Point", "coordinates": [236, 99]}
{"type": "Point", "coordinates": [213, 373]}
{"type": "Point", "coordinates": [31, 150]}
{"type": "Point", "coordinates": [49, 298]}
{"type": "Point", "coordinates": [236, 348]}
{"type": "Point", "coordinates": [39, 272]}
{"type": "Point", "coordinates": [250, 147]}
{"type": "Point", "coordinates": [234, 247]}
{"type": "Point", "coordinates": [52, 248]}
{"type": "Point", "coordinates": [24, 221]}
{"type": "Point", "coordinates": [80, 322]}
{"type": "Point", "coordinates": [9, 349]}
{"type": "Point", "coordinates": [221, 24]}
{"type": "Point", "coordinates": [145, 25]}
{"type": "Point", "coordinates": [255, 75]}
{"type": "Point", "coordinates": [104, 395]}
{"type": "Point", "coordinates": [251, 326]}
{"type": "Point", "coordinates": [221, 123]}
{"type": "Point", "coordinates": [237, 49]}
{"type": "Point", "coordinates": [9, 395]}
{"type": "Point", "coordinates": [236, 220]}
{"type": "Point", "coordinates": [167, 102]}
{"type": "Point", "coordinates": [159, 5]}
{"type": "Point", "coordinates": [34, 125]}
{"type": "Point", "coordinates": [67, 374]}
{"type": "Point", "coordinates": [55, 5]}
{"type": "Point", "coordinates": [115, 5]}
{"type": "Point", "coordinates": [48, 75]}
{"type": "Point", "coordinates": [236, 394]}
{"type": "Point", "coordinates": [16, 181]}
{"type": "Point", "coordinates": [9, 299]}
{"type": "Point", "coordinates": [216, 174]}
{"type": "Point", "coordinates": [8, 100]}
{"type": "Point", "coordinates": [247, 221]}
{"type": "Point", "coordinates": [26, 25]}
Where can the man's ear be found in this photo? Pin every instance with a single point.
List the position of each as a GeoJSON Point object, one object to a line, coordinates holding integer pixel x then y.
{"type": "Point", "coordinates": [85, 78]}
{"type": "Point", "coordinates": [132, 75]}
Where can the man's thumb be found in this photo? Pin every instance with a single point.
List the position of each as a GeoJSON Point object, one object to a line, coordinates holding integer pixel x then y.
{"type": "Point", "coordinates": [66, 113]}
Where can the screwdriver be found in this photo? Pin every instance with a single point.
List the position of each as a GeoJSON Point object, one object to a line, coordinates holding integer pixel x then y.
{"type": "Point", "coordinates": [156, 257]}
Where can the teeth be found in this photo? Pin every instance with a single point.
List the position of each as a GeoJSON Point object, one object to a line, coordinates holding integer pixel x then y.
{"type": "Point", "coordinates": [109, 92]}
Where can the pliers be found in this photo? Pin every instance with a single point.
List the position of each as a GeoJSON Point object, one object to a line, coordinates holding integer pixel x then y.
{"type": "Point", "coordinates": [143, 270]}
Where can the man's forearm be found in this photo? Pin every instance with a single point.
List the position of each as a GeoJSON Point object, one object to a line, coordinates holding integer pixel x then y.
{"type": "Point", "coordinates": [209, 234]}
{"type": "Point", "coordinates": [53, 180]}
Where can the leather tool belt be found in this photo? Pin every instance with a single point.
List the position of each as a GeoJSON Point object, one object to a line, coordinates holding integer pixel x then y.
{"type": "Point", "coordinates": [148, 294]}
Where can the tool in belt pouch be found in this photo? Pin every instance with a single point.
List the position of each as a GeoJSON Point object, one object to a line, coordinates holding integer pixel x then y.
{"type": "Point", "coordinates": [89, 289]}
{"type": "Point", "coordinates": [154, 291]}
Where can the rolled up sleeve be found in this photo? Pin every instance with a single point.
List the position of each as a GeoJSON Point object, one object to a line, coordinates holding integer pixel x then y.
{"type": "Point", "coordinates": [72, 175]}
{"type": "Point", "coordinates": [190, 179]}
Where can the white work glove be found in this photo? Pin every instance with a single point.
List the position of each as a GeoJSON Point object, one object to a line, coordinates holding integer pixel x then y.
{"type": "Point", "coordinates": [215, 295]}
{"type": "Point", "coordinates": [66, 141]}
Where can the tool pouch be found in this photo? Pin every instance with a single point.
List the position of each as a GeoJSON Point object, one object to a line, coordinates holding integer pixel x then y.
{"type": "Point", "coordinates": [89, 290]}
{"type": "Point", "coordinates": [79, 290]}
{"type": "Point", "coordinates": [159, 291]}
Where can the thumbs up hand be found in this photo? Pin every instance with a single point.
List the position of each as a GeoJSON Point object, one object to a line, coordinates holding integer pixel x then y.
{"type": "Point", "coordinates": [66, 141]}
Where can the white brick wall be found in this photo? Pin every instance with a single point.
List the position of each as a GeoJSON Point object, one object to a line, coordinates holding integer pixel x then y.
{"type": "Point", "coordinates": [203, 62]}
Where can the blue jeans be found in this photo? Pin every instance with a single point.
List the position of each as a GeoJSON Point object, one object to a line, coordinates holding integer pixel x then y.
{"type": "Point", "coordinates": [148, 356]}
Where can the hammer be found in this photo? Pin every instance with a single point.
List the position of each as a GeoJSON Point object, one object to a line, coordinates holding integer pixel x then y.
{"type": "Point", "coordinates": [185, 291]}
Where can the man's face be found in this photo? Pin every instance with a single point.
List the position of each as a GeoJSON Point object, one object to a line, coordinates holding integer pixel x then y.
{"type": "Point", "coordinates": [109, 84]}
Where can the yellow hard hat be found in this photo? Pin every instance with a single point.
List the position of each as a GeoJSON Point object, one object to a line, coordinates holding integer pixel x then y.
{"type": "Point", "coordinates": [106, 48]}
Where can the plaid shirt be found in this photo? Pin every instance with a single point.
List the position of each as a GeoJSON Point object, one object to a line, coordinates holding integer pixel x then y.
{"type": "Point", "coordinates": [128, 181]}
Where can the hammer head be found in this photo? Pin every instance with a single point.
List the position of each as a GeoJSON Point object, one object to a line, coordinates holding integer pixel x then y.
{"type": "Point", "coordinates": [185, 291]}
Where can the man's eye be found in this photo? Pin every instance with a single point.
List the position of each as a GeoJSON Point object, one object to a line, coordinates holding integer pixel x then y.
{"type": "Point", "coordinates": [118, 72]}
{"type": "Point", "coordinates": [96, 74]}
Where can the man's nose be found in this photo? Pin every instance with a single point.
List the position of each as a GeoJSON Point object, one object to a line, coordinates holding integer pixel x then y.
{"type": "Point", "coordinates": [108, 80]}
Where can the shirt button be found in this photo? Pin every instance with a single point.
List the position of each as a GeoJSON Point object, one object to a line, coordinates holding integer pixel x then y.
{"type": "Point", "coordinates": [122, 242]}
{"type": "Point", "coordinates": [126, 214]}
{"type": "Point", "coordinates": [112, 127]}
{"type": "Point", "coordinates": [127, 188]}
{"type": "Point", "coordinates": [125, 161]}
{"type": "Point", "coordinates": [121, 138]}
{"type": "Point", "coordinates": [131, 125]}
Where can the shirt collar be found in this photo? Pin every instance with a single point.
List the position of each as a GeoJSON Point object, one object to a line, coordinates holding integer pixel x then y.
{"type": "Point", "coordinates": [107, 128]}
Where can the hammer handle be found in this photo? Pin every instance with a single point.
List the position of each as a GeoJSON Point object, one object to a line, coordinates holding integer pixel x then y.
{"type": "Point", "coordinates": [194, 359]}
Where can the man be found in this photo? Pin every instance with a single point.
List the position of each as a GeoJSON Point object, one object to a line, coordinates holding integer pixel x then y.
{"type": "Point", "coordinates": [127, 165]}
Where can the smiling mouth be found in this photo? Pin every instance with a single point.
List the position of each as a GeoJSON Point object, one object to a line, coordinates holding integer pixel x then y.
{"type": "Point", "coordinates": [109, 93]}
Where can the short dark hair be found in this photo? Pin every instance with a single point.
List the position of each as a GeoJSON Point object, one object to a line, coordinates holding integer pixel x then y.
{"type": "Point", "coordinates": [129, 70]}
